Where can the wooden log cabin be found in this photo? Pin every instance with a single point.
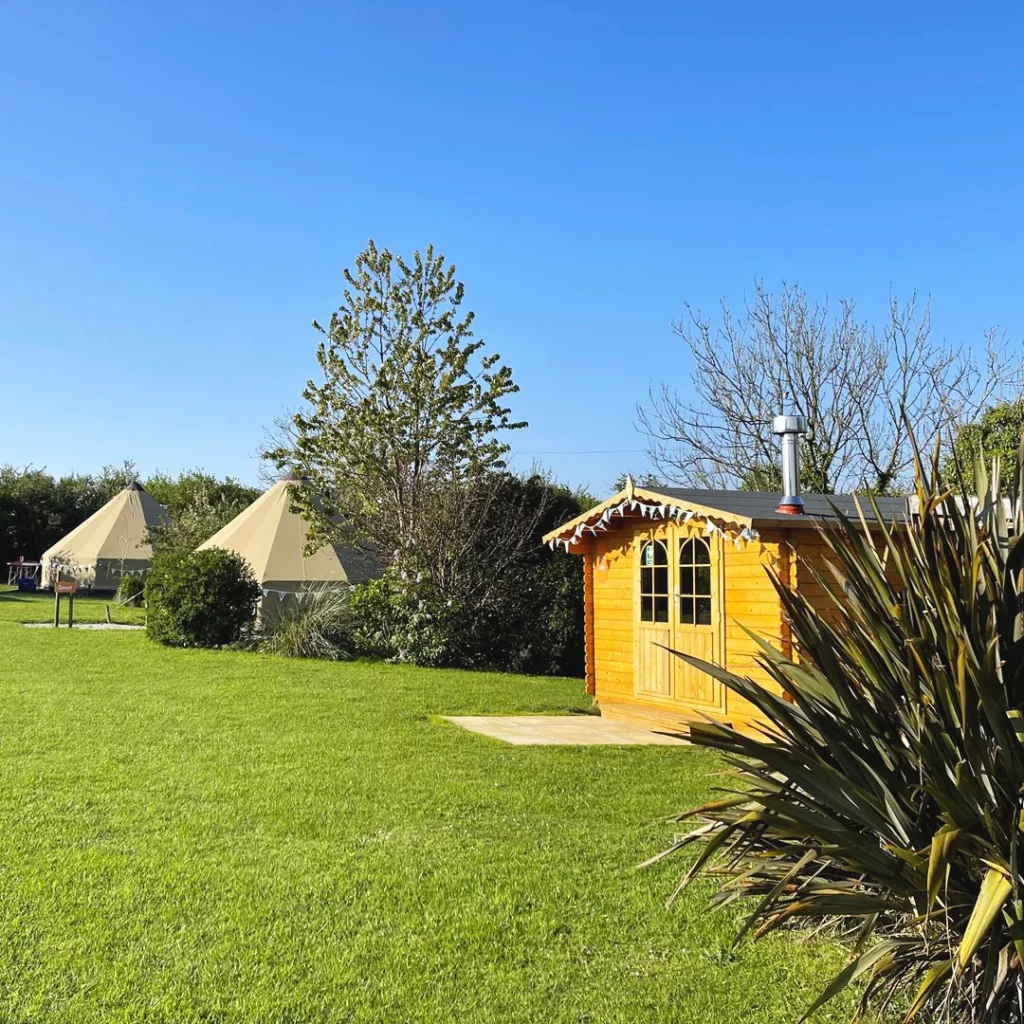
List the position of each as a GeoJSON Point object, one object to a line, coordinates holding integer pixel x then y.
{"type": "Point", "coordinates": [686, 570]}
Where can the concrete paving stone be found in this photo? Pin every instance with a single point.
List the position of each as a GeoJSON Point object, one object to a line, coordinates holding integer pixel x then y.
{"type": "Point", "coordinates": [562, 730]}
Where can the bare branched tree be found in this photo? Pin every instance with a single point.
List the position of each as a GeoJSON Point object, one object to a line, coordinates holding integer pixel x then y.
{"type": "Point", "coordinates": [857, 384]}
{"type": "Point", "coordinates": [474, 533]}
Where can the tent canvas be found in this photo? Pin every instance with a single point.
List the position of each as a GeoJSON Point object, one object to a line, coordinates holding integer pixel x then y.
{"type": "Point", "coordinates": [111, 543]}
{"type": "Point", "coordinates": [272, 539]}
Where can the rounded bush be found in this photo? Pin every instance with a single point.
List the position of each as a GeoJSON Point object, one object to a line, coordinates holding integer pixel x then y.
{"type": "Point", "coordinates": [130, 587]}
{"type": "Point", "coordinates": [200, 598]}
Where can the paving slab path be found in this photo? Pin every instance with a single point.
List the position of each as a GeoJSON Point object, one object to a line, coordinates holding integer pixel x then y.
{"type": "Point", "coordinates": [562, 730]}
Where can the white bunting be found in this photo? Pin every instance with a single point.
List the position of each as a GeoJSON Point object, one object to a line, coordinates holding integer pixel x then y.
{"type": "Point", "coordinates": [663, 511]}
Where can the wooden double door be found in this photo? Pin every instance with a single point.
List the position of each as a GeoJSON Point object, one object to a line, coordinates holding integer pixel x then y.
{"type": "Point", "coordinates": [678, 607]}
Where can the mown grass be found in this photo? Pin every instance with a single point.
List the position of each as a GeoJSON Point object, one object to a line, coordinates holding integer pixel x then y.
{"type": "Point", "coordinates": [195, 836]}
{"type": "Point", "coordinates": [38, 607]}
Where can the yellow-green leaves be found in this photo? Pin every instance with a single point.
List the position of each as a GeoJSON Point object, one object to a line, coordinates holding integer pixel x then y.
{"type": "Point", "coordinates": [1017, 723]}
{"type": "Point", "coordinates": [938, 861]}
{"type": "Point", "coordinates": [995, 889]}
{"type": "Point", "coordinates": [877, 958]}
{"type": "Point", "coordinates": [934, 975]}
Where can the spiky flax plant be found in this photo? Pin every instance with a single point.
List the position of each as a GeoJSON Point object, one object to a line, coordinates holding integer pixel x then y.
{"type": "Point", "coordinates": [884, 800]}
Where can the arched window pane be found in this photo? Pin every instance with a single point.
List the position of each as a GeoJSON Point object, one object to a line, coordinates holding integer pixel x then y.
{"type": "Point", "coordinates": [661, 579]}
{"type": "Point", "coordinates": [694, 582]}
{"type": "Point", "coordinates": [702, 583]}
{"type": "Point", "coordinates": [654, 582]}
{"type": "Point", "coordinates": [685, 579]}
{"type": "Point", "coordinates": [695, 551]}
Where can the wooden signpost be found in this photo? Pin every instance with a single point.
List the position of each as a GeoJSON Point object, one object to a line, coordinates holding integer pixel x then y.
{"type": "Point", "coordinates": [68, 587]}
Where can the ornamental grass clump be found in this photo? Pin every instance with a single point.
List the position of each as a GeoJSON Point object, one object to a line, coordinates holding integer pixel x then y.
{"type": "Point", "coordinates": [316, 623]}
{"type": "Point", "coordinates": [885, 802]}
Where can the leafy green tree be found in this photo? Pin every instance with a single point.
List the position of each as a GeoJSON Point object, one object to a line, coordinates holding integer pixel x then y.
{"type": "Point", "coordinates": [639, 479]}
{"type": "Point", "coordinates": [198, 505]}
{"type": "Point", "coordinates": [409, 402]}
{"type": "Point", "coordinates": [36, 510]}
{"type": "Point", "coordinates": [113, 479]}
{"type": "Point", "coordinates": [995, 433]}
{"type": "Point", "coordinates": [401, 441]}
{"type": "Point", "coordinates": [176, 494]}
{"type": "Point", "coordinates": [26, 498]}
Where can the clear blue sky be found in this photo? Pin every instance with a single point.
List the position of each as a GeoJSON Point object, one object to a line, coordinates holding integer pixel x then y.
{"type": "Point", "coordinates": [181, 184]}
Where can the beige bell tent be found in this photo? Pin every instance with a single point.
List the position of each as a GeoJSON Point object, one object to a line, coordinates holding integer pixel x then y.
{"type": "Point", "coordinates": [272, 539]}
{"type": "Point", "coordinates": [111, 543]}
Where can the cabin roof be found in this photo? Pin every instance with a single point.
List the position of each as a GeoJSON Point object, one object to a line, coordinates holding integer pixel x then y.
{"type": "Point", "coordinates": [762, 506]}
{"type": "Point", "coordinates": [736, 513]}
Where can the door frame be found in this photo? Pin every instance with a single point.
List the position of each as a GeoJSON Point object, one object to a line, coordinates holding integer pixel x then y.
{"type": "Point", "coordinates": [645, 633]}
{"type": "Point", "coordinates": [716, 549]}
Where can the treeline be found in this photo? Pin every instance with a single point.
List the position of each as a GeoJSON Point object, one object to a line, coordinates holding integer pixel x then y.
{"type": "Point", "coordinates": [37, 508]}
{"type": "Point", "coordinates": [482, 591]}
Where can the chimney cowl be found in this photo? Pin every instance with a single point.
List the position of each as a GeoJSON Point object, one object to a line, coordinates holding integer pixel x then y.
{"type": "Point", "coordinates": [791, 424]}
{"type": "Point", "coordinates": [789, 428]}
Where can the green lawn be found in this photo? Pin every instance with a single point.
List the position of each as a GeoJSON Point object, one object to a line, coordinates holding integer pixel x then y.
{"type": "Point", "coordinates": [38, 607]}
{"type": "Point", "coordinates": [190, 836]}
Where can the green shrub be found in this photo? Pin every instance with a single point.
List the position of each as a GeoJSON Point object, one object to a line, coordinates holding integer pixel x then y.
{"type": "Point", "coordinates": [487, 593]}
{"type": "Point", "coordinates": [130, 587]}
{"type": "Point", "coordinates": [531, 621]}
{"type": "Point", "coordinates": [886, 803]}
{"type": "Point", "coordinates": [316, 623]}
{"type": "Point", "coordinates": [401, 617]}
{"type": "Point", "coordinates": [534, 623]}
{"type": "Point", "coordinates": [200, 598]}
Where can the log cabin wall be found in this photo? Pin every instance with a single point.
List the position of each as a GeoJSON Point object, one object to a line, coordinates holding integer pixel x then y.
{"type": "Point", "coordinates": [743, 592]}
{"type": "Point", "coordinates": [751, 602]}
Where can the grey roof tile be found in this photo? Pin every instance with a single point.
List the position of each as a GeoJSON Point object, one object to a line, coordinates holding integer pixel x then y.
{"type": "Point", "coordinates": [762, 505]}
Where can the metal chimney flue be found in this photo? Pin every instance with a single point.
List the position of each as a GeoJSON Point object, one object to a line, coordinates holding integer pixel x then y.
{"type": "Point", "coordinates": [790, 428]}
